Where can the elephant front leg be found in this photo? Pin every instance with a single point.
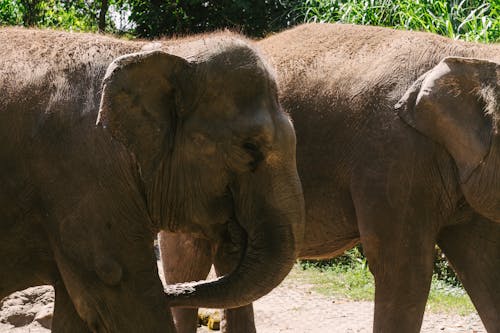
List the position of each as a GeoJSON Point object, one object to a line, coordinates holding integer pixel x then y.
{"type": "Point", "coordinates": [184, 258]}
{"type": "Point", "coordinates": [65, 318]}
{"type": "Point", "coordinates": [473, 249]}
{"type": "Point", "coordinates": [114, 297]}
{"type": "Point", "coordinates": [236, 320]}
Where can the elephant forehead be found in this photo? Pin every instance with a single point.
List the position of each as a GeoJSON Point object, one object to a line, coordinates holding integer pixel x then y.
{"type": "Point", "coordinates": [233, 96]}
{"type": "Point", "coordinates": [237, 66]}
{"type": "Point", "coordinates": [258, 126]}
{"type": "Point", "coordinates": [256, 123]}
{"type": "Point", "coordinates": [238, 81]}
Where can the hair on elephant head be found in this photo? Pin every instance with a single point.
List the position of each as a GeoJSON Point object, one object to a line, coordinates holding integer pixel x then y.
{"type": "Point", "coordinates": [457, 104]}
{"type": "Point", "coordinates": [212, 146]}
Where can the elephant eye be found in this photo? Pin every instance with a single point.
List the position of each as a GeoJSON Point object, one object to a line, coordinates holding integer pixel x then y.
{"type": "Point", "coordinates": [254, 151]}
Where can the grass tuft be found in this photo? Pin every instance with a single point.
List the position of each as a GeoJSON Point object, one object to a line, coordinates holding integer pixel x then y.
{"type": "Point", "coordinates": [357, 284]}
{"type": "Point", "coordinates": [472, 20]}
{"type": "Point", "coordinates": [348, 277]}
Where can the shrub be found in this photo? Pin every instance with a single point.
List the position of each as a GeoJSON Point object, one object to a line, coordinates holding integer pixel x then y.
{"type": "Point", "coordinates": [355, 258]}
{"type": "Point", "coordinates": [475, 20]}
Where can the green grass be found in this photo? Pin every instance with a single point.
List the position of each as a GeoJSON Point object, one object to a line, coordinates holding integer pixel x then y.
{"type": "Point", "coordinates": [356, 283]}
{"type": "Point", "coordinates": [445, 298]}
{"type": "Point", "coordinates": [473, 20]}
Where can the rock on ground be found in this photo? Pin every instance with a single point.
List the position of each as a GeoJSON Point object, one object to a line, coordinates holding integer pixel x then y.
{"type": "Point", "coordinates": [32, 307]}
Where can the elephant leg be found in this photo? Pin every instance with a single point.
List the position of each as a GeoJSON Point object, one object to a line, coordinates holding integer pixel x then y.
{"type": "Point", "coordinates": [402, 267]}
{"type": "Point", "coordinates": [398, 242]}
{"type": "Point", "coordinates": [65, 318]}
{"type": "Point", "coordinates": [473, 248]}
{"type": "Point", "coordinates": [135, 303]}
{"type": "Point", "coordinates": [236, 320]}
{"type": "Point", "coordinates": [184, 258]}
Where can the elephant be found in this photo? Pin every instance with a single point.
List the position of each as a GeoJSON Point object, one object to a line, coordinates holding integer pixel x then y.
{"type": "Point", "coordinates": [398, 148]}
{"type": "Point", "coordinates": [104, 142]}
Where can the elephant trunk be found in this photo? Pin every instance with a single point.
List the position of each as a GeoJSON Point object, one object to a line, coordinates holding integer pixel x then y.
{"type": "Point", "coordinates": [267, 260]}
{"type": "Point", "coordinates": [482, 188]}
{"type": "Point", "coordinates": [273, 221]}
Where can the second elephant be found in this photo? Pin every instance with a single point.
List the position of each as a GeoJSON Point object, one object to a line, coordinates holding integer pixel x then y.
{"type": "Point", "coordinates": [398, 149]}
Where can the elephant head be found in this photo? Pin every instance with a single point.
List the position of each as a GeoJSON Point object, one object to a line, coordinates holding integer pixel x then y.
{"type": "Point", "coordinates": [457, 104]}
{"type": "Point", "coordinates": [212, 146]}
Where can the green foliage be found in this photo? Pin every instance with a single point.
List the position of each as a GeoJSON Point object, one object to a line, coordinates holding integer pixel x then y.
{"type": "Point", "coordinates": [443, 270]}
{"type": "Point", "coordinates": [10, 12]}
{"type": "Point", "coordinates": [476, 20]}
{"type": "Point", "coordinates": [77, 15]}
{"type": "Point", "coordinates": [355, 258]}
{"type": "Point", "coordinates": [352, 280]}
{"type": "Point", "coordinates": [348, 276]}
{"type": "Point", "coordinates": [447, 298]}
{"type": "Point", "coordinates": [350, 259]}
{"type": "Point", "coordinates": [68, 15]}
{"type": "Point", "coordinates": [169, 17]}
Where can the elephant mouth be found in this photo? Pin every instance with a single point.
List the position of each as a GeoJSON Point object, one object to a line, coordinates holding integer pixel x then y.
{"type": "Point", "coordinates": [233, 240]}
{"type": "Point", "coordinates": [219, 222]}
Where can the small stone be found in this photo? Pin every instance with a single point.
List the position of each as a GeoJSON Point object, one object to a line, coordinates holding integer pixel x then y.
{"type": "Point", "coordinates": [214, 323]}
{"type": "Point", "coordinates": [203, 316]}
{"type": "Point", "coordinates": [210, 318]}
{"type": "Point", "coordinates": [44, 316]}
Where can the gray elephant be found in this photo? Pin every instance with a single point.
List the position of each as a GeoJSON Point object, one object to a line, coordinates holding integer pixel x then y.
{"type": "Point", "coordinates": [183, 143]}
{"type": "Point", "coordinates": [398, 148]}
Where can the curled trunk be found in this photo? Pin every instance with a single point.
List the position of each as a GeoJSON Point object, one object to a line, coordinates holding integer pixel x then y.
{"type": "Point", "coordinates": [265, 263]}
{"type": "Point", "coordinates": [269, 207]}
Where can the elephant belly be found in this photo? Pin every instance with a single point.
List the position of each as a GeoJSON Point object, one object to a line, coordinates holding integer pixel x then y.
{"type": "Point", "coordinates": [26, 259]}
{"type": "Point", "coordinates": [331, 225]}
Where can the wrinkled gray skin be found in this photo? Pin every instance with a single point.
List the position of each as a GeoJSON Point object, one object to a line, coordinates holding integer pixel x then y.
{"type": "Point", "coordinates": [398, 149]}
{"type": "Point", "coordinates": [181, 143]}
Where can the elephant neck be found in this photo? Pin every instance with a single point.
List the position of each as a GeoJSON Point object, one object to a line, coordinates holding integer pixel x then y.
{"type": "Point", "coordinates": [482, 188]}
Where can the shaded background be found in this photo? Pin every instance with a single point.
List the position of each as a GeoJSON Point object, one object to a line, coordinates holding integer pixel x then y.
{"type": "Point", "coordinates": [467, 19]}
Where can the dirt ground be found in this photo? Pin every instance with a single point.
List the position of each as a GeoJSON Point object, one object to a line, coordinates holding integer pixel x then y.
{"type": "Point", "coordinates": [292, 307]}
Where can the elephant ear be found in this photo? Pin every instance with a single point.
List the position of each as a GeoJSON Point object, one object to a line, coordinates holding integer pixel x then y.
{"type": "Point", "coordinates": [142, 97]}
{"type": "Point", "coordinates": [456, 104]}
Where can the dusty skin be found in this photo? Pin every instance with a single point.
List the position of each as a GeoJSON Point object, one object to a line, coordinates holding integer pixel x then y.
{"type": "Point", "coordinates": [103, 144]}
{"type": "Point", "coordinates": [295, 307]}
{"type": "Point", "coordinates": [398, 148]}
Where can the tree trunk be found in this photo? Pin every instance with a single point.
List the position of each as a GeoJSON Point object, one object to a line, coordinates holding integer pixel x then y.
{"type": "Point", "coordinates": [31, 12]}
{"type": "Point", "coordinates": [102, 16]}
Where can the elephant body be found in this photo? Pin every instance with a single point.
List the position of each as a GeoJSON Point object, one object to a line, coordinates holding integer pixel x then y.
{"type": "Point", "coordinates": [50, 100]}
{"type": "Point", "coordinates": [104, 143]}
{"type": "Point", "coordinates": [383, 163]}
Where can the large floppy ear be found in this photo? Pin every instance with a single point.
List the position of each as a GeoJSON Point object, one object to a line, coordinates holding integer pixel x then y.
{"type": "Point", "coordinates": [456, 104]}
{"type": "Point", "coordinates": [143, 96]}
